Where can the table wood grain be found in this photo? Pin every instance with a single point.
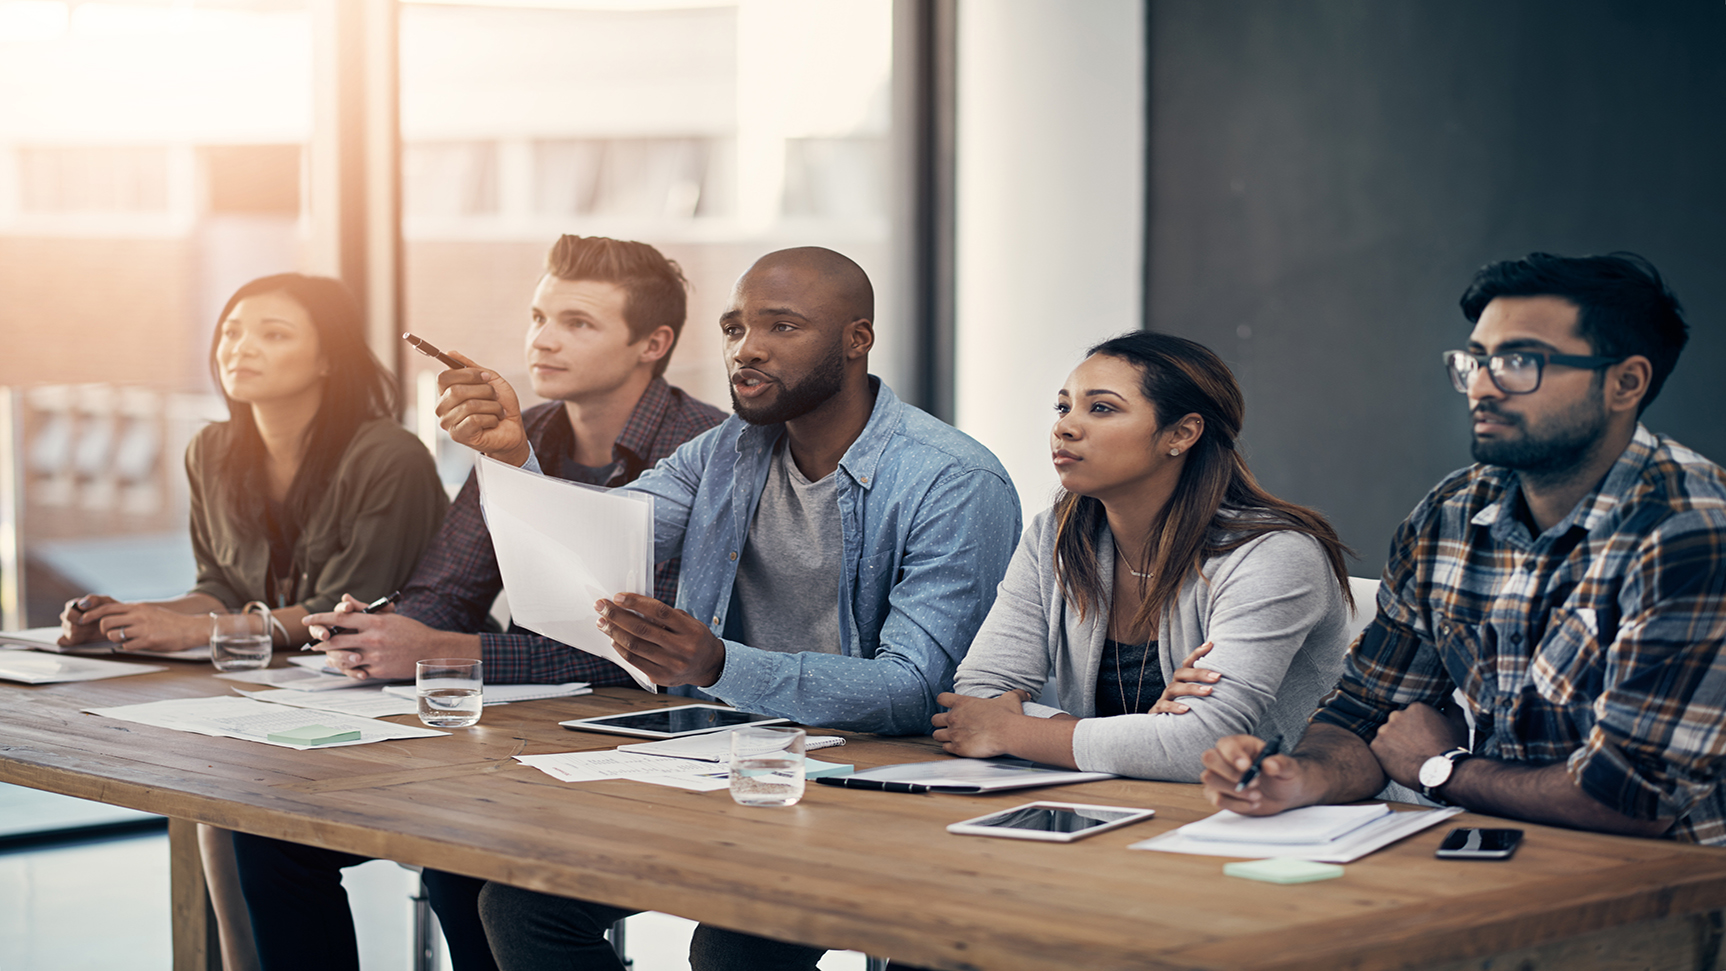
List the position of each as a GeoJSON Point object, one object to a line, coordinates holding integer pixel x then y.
{"type": "Point", "coordinates": [869, 871]}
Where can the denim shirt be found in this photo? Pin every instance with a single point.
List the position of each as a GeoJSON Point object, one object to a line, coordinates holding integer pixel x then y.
{"type": "Point", "coordinates": [929, 521]}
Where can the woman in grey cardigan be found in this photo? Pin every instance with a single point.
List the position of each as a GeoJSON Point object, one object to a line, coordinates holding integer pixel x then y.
{"type": "Point", "coordinates": [1161, 550]}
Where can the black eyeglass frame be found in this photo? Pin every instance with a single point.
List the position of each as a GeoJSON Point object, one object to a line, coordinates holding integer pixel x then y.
{"type": "Point", "coordinates": [1493, 363]}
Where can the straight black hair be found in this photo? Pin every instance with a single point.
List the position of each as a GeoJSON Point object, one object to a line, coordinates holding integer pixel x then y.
{"type": "Point", "coordinates": [1624, 306]}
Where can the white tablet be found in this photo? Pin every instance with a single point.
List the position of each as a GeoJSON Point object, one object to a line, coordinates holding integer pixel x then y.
{"type": "Point", "coordinates": [671, 722]}
{"type": "Point", "coordinates": [1056, 822]}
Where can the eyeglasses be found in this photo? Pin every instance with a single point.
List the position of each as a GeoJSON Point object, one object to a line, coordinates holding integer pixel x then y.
{"type": "Point", "coordinates": [1514, 372]}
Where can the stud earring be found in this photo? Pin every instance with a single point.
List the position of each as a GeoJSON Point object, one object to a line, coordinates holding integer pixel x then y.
{"type": "Point", "coordinates": [1174, 451]}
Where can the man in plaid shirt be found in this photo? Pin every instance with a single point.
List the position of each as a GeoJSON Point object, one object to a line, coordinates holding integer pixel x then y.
{"type": "Point", "coordinates": [604, 319]}
{"type": "Point", "coordinates": [1571, 584]}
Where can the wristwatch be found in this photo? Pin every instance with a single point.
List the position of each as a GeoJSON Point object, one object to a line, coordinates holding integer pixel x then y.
{"type": "Point", "coordinates": [1436, 771]}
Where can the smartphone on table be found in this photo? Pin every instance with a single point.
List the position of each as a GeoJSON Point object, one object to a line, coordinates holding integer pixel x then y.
{"type": "Point", "coordinates": [1475, 843]}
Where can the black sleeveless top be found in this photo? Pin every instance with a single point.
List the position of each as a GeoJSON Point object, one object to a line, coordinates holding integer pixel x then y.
{"type": "Point", "coordinates": [1129, 679]}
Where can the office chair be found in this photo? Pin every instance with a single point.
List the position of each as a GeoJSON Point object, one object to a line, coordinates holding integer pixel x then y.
{"type": "Point", "coordinates": [425, 953]}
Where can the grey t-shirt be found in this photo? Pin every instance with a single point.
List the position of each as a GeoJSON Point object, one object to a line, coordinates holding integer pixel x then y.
{"type": "Point", "coordinates": [787, 593]}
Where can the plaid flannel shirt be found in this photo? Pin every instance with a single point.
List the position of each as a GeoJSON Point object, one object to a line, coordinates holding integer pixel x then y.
{"type": "Point", "coordinates": [1595, 644]}
{"type": "Point", "coordinates": [457, 580]}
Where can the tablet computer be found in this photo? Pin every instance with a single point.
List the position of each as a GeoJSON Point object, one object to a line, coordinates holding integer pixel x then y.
{"type": "Point", "coordinates": [671, 722]}
{"type": "Point", "coordinates": [1055, 822]}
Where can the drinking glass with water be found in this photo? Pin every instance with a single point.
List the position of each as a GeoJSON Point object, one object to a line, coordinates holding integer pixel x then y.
{"type": "Point", "coordinates": [767, 766]}
{"type": "Point", "coordinates": [449, 691]}
{"type": "Point", "coordinates": [240, 641]}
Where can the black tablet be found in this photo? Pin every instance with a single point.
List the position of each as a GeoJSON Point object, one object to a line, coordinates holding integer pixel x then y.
{"type": "Point", "coordinates": [671, 722]}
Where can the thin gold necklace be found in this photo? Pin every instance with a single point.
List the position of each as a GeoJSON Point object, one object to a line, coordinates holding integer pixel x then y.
{"type": "Point", "coordinates": [1144, 655]}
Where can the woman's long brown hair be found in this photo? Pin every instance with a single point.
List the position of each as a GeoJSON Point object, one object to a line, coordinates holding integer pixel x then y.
{"type": "Point", "coordinates": [357, 390]}
{"type": "Point", "coordinates": [1217, 505]}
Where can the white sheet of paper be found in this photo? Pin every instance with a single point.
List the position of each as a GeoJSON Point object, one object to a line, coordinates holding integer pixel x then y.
{"type": "Point", "coordinates": [33, 667]}
{"type": "Point", "coordinates": [612, 764]}
{"type": "Point", "coordinates": [503, 694]}
{"type": "Point", "coordinates": [297, 678]}
{"type": "Point", "coordinates": [561, 546]}
{"type": "Point", "coordinates": [231, 717]}
{"type": "Point", "coordinates": [1309, 824]}
{"type": "Point", "coordinates": [47, 639]}
{"type": "Point", "coordinates": [713, 746]}
{"type": "Point", "coordinates": [1353, 845]}
{"type": "Point", "coordinates": [360, 702]}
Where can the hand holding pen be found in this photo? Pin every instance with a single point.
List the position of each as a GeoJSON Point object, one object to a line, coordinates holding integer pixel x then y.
{"type": "Point", "coordinates": [1271, 748]}
{"type": "Point", "coordinates": [376, 605]}
{"type": "Point", "coordinates": [477, 407]}
{"type": "Point", "coordinates": [1254, 777]}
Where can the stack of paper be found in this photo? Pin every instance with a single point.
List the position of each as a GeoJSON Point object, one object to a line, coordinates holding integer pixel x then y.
{"type": "Point", "coordinates": [1328, 834]}
{"type": "Point", "coordinates": [377, 701]}
{"type": "Point", "coordinates": [678, 772]}
{"type": "Point", "coordinates": [713, 746]}
{"type": "Point", "coordinates": [297, 677]}
{"type": "Point", "coordinates": [611, 764]}
{"type": "Point", "coordinates": [254, 720]}
{"type": "Point", "coordinates": [33, 668]}
{"type": "Point", "coordinates": [48, 639]}
{"type": "Point", "coordinates": [503, 694]}
{"type": "Point", "coordinates": [359, 702]}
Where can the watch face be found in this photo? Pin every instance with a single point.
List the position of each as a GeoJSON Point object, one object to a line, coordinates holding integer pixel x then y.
{"type": "Point", "coordinates": [1434, 772]}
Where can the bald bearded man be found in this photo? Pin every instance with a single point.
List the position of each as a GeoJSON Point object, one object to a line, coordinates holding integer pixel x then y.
{"type": "Point", "coordinates": [839, 550]}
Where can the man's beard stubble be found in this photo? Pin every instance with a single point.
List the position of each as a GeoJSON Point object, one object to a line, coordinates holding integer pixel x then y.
{"type": "Point", "coordinates": [797, 400]}
{"type": "Point", "coordinates": [1567, 444]}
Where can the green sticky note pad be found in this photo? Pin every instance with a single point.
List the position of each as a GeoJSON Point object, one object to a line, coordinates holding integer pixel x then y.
{"type": "Point", "coordinates": [314, 735]}
{"type": "Point", "coordinates": [1283, 871]}
{"type": "Point", "coordinates": [817, 769]}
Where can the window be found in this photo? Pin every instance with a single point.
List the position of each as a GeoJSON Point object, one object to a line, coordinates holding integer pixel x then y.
{"type": "Point", "coordinates": [92, 179]}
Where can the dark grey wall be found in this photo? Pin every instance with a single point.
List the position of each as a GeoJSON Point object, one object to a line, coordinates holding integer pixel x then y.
{"type": "Point", "coordinates": [1325, 177]}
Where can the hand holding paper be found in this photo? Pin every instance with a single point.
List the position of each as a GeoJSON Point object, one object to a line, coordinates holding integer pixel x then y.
{"type": "Point", "coordinates": [669, 645]}
{"type": "Point", "coordinates": [561, 546]}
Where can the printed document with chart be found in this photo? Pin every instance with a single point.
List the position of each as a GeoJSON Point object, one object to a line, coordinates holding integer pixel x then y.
{"type": "Point", "coordinates": [563, 545]}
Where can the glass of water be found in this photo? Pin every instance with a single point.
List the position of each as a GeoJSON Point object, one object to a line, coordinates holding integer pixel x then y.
{"type": "Point", "coordinates": [449, 691]}
{"type": "Point", "coordinates": [240, 641]}
{"type": "Point", "coordinates": [767, 766]}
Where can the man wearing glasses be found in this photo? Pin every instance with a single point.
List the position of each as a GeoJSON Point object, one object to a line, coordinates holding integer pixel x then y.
{"type": "Point", "coordinates": [1571, 584]}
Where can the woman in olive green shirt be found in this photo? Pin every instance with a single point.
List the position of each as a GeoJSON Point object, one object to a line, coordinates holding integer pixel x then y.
{"type": "Point", "coordinates": [309, 490]}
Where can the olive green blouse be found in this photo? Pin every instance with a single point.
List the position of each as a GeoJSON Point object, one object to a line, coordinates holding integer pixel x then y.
{"type": "Point", "coordinates": [383, 506]}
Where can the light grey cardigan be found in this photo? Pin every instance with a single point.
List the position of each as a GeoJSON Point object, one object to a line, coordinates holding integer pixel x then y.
{"type": "Point", "coordinates": [1273, 608]}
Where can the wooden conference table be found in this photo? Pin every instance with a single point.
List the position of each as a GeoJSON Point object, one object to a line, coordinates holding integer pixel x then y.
{"type": "Point", "coordinates": [871, 871]}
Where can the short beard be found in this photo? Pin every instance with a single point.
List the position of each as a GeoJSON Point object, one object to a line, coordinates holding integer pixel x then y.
{"type": "Point", "coordinates": [797, 400]}
{"type": "Point", "coordinates": [1566, 447]}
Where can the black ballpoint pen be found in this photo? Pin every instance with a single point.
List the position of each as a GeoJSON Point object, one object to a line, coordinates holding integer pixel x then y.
{"type": "Point", "coordinates": [886, 786]}
{"type": "Point", "coordinates": [1271, 748]}
{"type": "Point", "coordinates": [430, 350]}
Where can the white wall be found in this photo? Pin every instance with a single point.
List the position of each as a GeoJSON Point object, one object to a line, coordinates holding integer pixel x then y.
{"type": "Point", "coordinates": [1050, 211]}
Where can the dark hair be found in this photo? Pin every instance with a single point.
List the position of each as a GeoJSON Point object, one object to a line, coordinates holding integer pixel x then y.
{"type": "Point", "coordinates": [1624, 307]}
{"type": "Point", "coordinates": [656, 294]}
{"type": "Point", "coordinates": [356, 390]}
{"type": "Point", "coordinates": [1217, 506]}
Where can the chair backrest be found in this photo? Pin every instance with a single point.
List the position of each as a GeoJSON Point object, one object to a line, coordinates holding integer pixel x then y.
{"type": "Point", "coordinates": [1365, 606]}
